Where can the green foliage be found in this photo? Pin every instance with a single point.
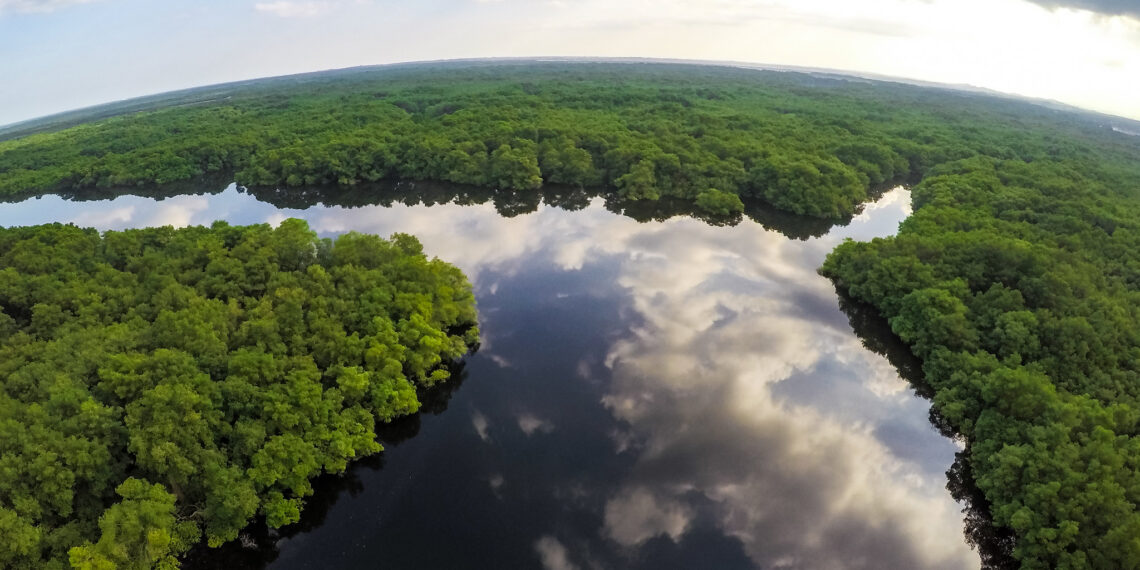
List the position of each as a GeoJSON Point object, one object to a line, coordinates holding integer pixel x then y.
{"type": "Point", "coordinates": [713, 201]}
{"type": "Point", "coordinates": [809, 185]}
{"type": "Point", "coordinates": [807, 145]}
{"type": "Point", "coordinates": [515, 168]}
{"type": "Point", "coordinates": [139, 532]}
{"type": "Point", "coordinates": [1017, 285]}
{"type": "Point", "coordinates": [163, 384]}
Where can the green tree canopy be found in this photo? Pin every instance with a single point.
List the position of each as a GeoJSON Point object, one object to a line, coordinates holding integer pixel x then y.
{"type": "Point", "coordinates": [162, 385]}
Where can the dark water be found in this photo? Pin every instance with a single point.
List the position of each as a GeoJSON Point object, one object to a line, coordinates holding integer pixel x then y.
{"type": "Point", "coordinates": [660, 394]}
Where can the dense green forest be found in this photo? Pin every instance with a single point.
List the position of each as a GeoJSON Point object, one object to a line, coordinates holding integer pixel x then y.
{"type": "Point", "coordinates": [1016, 282]}
{"type": "Point", "coordinates": [1018, 285]}
{"type": "Point", "coordinates": [808, 145]}
{"type": "Point", "coordinates": [167, 386]}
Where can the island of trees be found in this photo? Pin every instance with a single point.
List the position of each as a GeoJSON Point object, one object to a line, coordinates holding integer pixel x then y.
{"type": "Point", "coordinates": [1016, 282]}
{"type": "Point", "coordinates": [162, 387]}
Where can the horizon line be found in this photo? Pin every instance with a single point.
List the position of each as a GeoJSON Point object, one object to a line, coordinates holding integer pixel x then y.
{"type": "Point", "coordinates": [757, 66]}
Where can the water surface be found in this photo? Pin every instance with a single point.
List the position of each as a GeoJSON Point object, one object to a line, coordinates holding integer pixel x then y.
{"type": "Point", "coordinates": [667, 394]}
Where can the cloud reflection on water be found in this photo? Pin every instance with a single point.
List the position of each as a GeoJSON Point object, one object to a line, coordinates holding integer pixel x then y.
{"type": "Point", "coordinates": [728, 315]}
{"type": "Point", "coordinates": [801, 482]}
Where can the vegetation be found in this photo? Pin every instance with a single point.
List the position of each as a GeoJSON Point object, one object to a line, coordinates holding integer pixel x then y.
{"type": "Point", "coordinates": [1016, 282]}
{"type": "Point", "coordinates": [1018, 285]}
{"type": "Point", "coordinates": [719, 203]}
{"type": "Point", "coordinates": [161, 385]}
{"type": "Point", "coordinates": [809, 145]}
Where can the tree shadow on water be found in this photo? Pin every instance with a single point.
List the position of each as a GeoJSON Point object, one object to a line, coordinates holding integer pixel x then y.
{"type": "Point", "coordinates": [994, 544]}
{"type": "Point", "coordinates": [511, 203]}
{"type": "Point", "coordinates": [207, 184]}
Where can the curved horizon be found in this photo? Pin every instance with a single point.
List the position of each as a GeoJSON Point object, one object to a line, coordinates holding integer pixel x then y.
{"type": "Point", "coordinates": [61, 55]}
{"type": "Point", "coordinates": [16, 126]}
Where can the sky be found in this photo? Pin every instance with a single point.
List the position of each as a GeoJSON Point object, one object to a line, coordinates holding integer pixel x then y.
{"type": "Point", "coordinates": [57, 55]}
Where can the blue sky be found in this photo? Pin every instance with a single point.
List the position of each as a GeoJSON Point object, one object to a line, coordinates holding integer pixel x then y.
{"type": "Point", "coordinates": [64, 54]}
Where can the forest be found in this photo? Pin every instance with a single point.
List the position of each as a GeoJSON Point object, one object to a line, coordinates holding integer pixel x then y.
{"type": "Point", "coordinates": [1016, 281]}
{"type": "Point", "coordinates": [1018, 285]}
{"type": "Point", "coordinates": [164, 387]}
{"type": "Point", "coordinates": [809, 145]}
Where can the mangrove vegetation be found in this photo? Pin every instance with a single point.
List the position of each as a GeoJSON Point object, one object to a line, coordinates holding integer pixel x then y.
{"type": "Point", "coordinates": [162, 385]}
{"type": "Point", "coordinates": [808, 145]}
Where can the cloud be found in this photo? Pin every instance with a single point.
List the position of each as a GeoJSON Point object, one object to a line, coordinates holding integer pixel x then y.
{"type": "Point", "coordinates": [499, 360]}
{"type": "Point", "coordinates": [530, 424]}
{"type": "Point", "coordinates": [496, 481]}
{"type": "Point", "coordinates": [36, 6]}
{"type": "Point", "coordinates": [636, 516]}
{"type": "Point", "coordinates": [114, 217]}
{"type": "Point", "coordinates": [553, 555]}
{"type": "Point", "coordinates": [716, 388]}
{"type": "Point", "coordinates": [605, 14]}
{"type": "Point", "coordinates": [1130, 8]}
{"type": "Point", "coordinates": [285, 9]}
{"type": "Point", "coordinates": [179, 211]}
{"type": "Point", "coordinates": [126, 212]}
{"type": "Point", "coordinates": [480, 423]}
{"type": "Point", "coordinates": [730, 320]}
{"type": "Point", "coordinates": [306, 9]}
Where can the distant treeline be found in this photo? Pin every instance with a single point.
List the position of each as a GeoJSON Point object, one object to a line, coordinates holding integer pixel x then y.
{"type": "Point", "coordinates": [808, 145]}
{"type": "Point", "coordinates": [161, 387]}
{"type": "Point", "coordinates": [1016, 281]}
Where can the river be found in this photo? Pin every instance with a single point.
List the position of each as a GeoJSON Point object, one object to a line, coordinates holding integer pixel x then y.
{"type": "Point", "coordinates": [647, 394]}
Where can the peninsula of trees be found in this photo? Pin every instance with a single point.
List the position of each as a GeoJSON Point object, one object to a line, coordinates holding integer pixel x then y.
{"type": "Point", "coordinates": [1016, 281]}
{"type": "Point", "coordinates": [161, 387]}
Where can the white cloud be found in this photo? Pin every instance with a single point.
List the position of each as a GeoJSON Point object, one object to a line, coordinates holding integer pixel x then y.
{"type": "Point", "coordinates": [286, 9]}
{"type": "Point", "coordinates": [730, 320]}
{"type": "Point", "coordinates": [179, 212]}
{"type": "Point", "coordinates": [1008, 45]}
{"type": "Point", "coordinates": [763, 455]}
{"type": "Point", "coordinates": [553, 555]}
{"type": "Point", "coordinates": [531, 424]}
{"type": "Point", "coordinates": [275, 219]}
{"type": "Point", "coordinates": [635, 516]}
{"type": "Point", "coordinates": [727, 315]}
{"type": "Point", "coordinates": [480, 423]}
{"type": "Point", "coordinates": [496, 482]}
{"type": "Point", "coordinates": [117, 214]}
{"type": "Point", "coordinates": [102, 219]}
{"type": "Point", "coordinates": [305, 9]}
{"type": "Point", "coordinates": [501, 361]}
{"type": "Point", "coordinates": [36, 6]}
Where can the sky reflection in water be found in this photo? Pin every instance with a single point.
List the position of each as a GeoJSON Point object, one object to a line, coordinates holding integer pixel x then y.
{"type": "Point", "coordinates": [666, 394]}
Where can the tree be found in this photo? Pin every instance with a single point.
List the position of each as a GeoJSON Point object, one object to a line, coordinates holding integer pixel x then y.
{"type": "Point", "coordinates": [719, 203]}
{"type": "Point", "coordinates": [139, 532]}
{"type": "Point", "coordinates": [515, 168]}
{"type": "Point", "coordinates": [129, 365]}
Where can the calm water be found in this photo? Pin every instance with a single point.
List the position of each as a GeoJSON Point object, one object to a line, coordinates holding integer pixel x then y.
{"type": "Point", "coordinates": [668, 394]}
